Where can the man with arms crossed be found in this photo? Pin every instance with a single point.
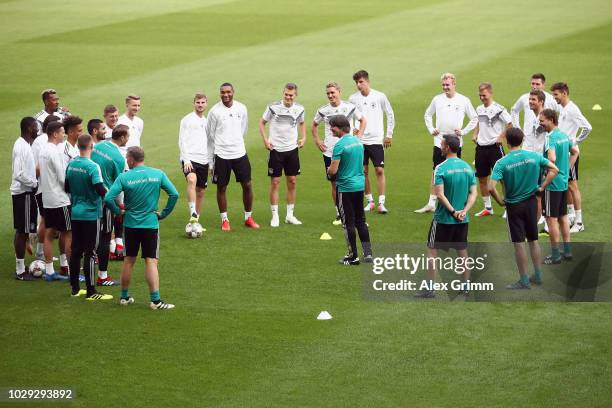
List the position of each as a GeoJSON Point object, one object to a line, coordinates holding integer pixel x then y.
{"type": "Point", "coordinates": [55, 200]}
{"type": "Point", "coordinates": [538, 83]}
{"type": "Point", "coordinates": [450, 108]}
{"type": "Point", "coordinates": [346, 168]}
{"type": "Point", "coordinates": [23, 186]}
{"type": "Point", "coordinates": [108, 156]}
{"type": "Point", "coordinates": [373, 105]}
{"type": "Point", "coordinates": [455, 188]}
{"type": "Point", "coordinates": [493, 120]}
{"type": "Point", "coordinates": [193, 149]}
{"type": "Point", "coordinates": [336, 106]}
{"type": "Point", "coordinates": [226, 129]}
{"type": "Point", "coordinates": [573, 123]}
{"type": "Point", "coordinates": [282, 142]}
{"type": "Point", "coordinates": [141, 187]}
{"type": "Point", "coordinates": [560, 150]}
{"type": "Point", "coordinates": [520, 172]}
{"type": "Point", "coordinates": [86, 189]}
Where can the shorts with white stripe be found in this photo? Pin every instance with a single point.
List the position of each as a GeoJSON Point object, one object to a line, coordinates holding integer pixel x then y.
{"type": "Point", "coordinates": [447, 236]}
{"type": "Point", "coordinates": [58, 218]}
{"type": "Point", "coordinates": [84, 244]}
{"type": "Point", "coordinates": [554, 203]}
{"type": "Point", "coordinates": [145, 239]}
{"type": "Point", "coordinates": [573, 173]}
{"type": "Point", "coordinates": [24, 213]}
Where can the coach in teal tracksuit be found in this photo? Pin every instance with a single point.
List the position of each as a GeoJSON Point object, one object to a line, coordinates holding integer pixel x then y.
{"type": "Point", "coordinates": [347, 169]}
{"type": "Point", "coordinates": [141, 187]}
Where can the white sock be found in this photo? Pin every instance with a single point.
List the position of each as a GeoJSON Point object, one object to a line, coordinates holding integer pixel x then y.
{"type": "Point", "coordinates": [112, 246]}
{"type": "Point", "coordinates": [274, 209]}
{"type": "Point", "coordinates": [487, 202]}
{"type": "Point", "coordinates": [337, 212]}
{"type": "Point", "coordinates": [578, 216]}
{"type": "Point", "coordinates": [49, 268]}
{"type": "Point", "coordinates": [570, 210]}
{"type": "Point", "coordinates": [192, 209]}
{"type": "Point", "coordinates": [39, 248]}
{"type": "Point", "coordinates": [119, 241]}
{"type": "Point", "coordinates": [247, 214]}
{"type": "Point", "coordinates": [20, 266]}
{"type": "Point", "coordinates": [432, 200]}
{"type": "Point", "coordinates": [102, 274]}
{"type": "Point", "coordinates": [63, 260]}
{"type": "Point", "coordinates": [369, 198]}
{"type": "Point", "coordinates": [381, 199]}
{"type": "Point", "coordinates": [224, 217]}
{"type": "Point", "coordinates": [290, 208]}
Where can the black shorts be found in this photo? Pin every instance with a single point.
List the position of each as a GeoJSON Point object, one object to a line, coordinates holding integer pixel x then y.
{"type": "Point", "coordinates": [573, 173]}
{"type": "Point", "coordinates": [58, 218]}
{"type": "Point", "coordinates": [106, 221]}
{"type": "Point", "coordinates": [554, 203]}
{"type": "Point", "coordinates": [85, 236]}
{"type": "Point", "coordinates": [522, 219]}
{"type": "Point", "coordinates": [201, 172]}
{"type": "Point", "coordinates": [24, 213]}
{"type": "Point", "coordinates": [327, 162]}
{"type": "Point", "coordinates": [376, 153]}
{"type": "Point", "coordinates": [289, 162]}
{"type": "Point", "coordinates": [39, 204]}
{"type": "Point", "coordinates": [438, 157]}
{"type": "Point", "coordinates": [145, 238]}
{"type": "Point", "coordinates": [447, 236]}
{"type": "Point", "coordinates": [224, 167]}
{"type": "Point", "coordinates": [486, 157]}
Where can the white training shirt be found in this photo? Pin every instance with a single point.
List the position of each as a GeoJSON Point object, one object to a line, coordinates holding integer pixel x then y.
{"type": "Point", "coordinates": [283, 120]}
{"type": "Point", "coordinates": [450, 113]}
{"type": "Point", "coordinates": [492, 121]}
{"type": "Point", "coordinates": [535, 135]}
{"type": "Point", "coordinates": [374, 106]}
{"type": "Point", "coordinates": [573, 123]}
{"type": "Point", "coordinates": [37, 145]}
{"type": "Point", "coordinates": [52, 177]}
{"type": "Point", "coordinates": [324, 113]}
{"type": "Point", "coordinates": [136, 125]}
{"type": "Point", "coordinates": [193, 143]}
{"type": "Point", "coordinates": [522, 104]}
{"type": "Point", "coordinates": [226, 128]}
{"type": "Point", "coordinates": [42, 115]}
{"type": "Point", "coordinates": [24, 168]}
{"type": "Point", "coordinates": [69, 151]}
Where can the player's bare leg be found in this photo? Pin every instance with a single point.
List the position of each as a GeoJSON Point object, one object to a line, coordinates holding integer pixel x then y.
{"type": "Point", "coordinates": [274, 194]}
{"type": "Point", "coordinates": [291, 195]}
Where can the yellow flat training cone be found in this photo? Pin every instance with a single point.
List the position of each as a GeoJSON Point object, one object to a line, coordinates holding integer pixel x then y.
{"type": "Point", "coordinates": [325, 236]}
{"type": "Point", "coordinates": [597, 107]}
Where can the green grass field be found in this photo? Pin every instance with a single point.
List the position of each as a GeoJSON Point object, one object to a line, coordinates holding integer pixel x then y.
{"type": "Point", "coordinates": [244, 332]}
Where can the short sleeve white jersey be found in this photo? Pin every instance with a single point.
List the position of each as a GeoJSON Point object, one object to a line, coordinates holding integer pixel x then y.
{"type": "Point", "coordinates": [374, 106]}
{"type": "Point", "coordinates": [492, 121]}
{"type": "Point", "coordinates": [324, 113]}
{"type": "Point", "coordinates": [284, 121]}
{"type": "Point", "coordinates": [136, 126]}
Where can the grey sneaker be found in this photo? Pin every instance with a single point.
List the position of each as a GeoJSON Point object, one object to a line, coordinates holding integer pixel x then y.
{"type": "Point", "coordinates": [517, 285]}
{"type": "Point", "coordinates": [535, 280]}
{"type": "Point", "coordinates": [549, 260]}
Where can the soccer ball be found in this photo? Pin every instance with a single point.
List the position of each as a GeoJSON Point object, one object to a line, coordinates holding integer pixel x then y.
{"type": "Point", "coordinates": [194, 230]}
{"type": "Point", "coordinates": [37, 268]}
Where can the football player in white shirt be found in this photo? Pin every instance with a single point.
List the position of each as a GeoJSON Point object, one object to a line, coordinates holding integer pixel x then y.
{"type": "Point", "coordinates": [23, 186]}
{"type": "Point", "coordinates": [73, 126]}
{"type": "Point", "coordinates": [285, 117]}
{"type": "Point", "coordinates": [97, 130]}
{"type": "Point", "coordinates": [573, 123]}
{"type": "Point", "coordinates": [111, 117]}
{"type": "Point", "coordinates": [193, 149]}
{"type": "Point", "coordinates": [55, 200]}
{"type": "Point", "coordinates": [374, 105]}
{"type": "Point", "coordinates": [336, 106]}
{"type": "Point", "coordinates": [51, 102]}
{"type": "Point", "coordinates": [226, 129]}
{"type": "Point", "coordinates": [493, 120]}
{"type": "Point", "coordinates": [450, 108]}
{"type": "Point", "coordinates": [131, 120]}
{"type": "Point", "coordinates": [538, 83]}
